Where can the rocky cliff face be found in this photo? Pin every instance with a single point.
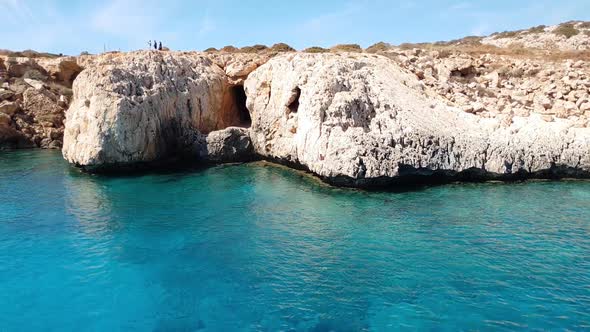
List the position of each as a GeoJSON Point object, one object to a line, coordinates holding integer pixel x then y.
{"type": "Point", "coordinates": [362, 120]}
{"type": "Point", "coordinates": [497, 86]}
{"type": "Point", "coordinates": [569, 36]}
{"type": "Point", "coordinates": [354, 119]}
{"type": "Point", "coordinates": [34, 94]}
{"type": "Point", "coordinates": [142, 107]}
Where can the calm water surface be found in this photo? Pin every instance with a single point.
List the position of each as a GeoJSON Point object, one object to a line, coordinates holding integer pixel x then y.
{"type": "Point", "coordinates": [261, 248]}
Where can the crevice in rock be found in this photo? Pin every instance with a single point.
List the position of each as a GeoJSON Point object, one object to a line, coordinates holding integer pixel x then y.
{"type": "Point", "coordinates": [234, 112]}
{"type": "Point", "coordinates": [241, 111]}
{"type": "Point", "coordinates": [294, 100]}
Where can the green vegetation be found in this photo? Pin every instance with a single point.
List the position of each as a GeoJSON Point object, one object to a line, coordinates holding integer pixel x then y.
{"type": "Point", "coordinates": [282, 47]}
{"type": "Point", "coordinates": [506, 34]}
{"type": "Point", "coordinates": [229, 49]}
{"type": "Point", "coordinates": [537, 29]}
{"type": "Point", "coordinates": [347, 48]}
{"type": "Point", "coordinates": [254, 49]}
{"type": "Point", "coordinates": [568, 30]}
{"type": "Point", "coordinates": [378, 47]}
{"type": "Point", "coordinates": [316, 49]}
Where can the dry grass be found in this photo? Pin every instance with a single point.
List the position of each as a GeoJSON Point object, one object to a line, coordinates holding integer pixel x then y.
{"type": "Point", "coordinates": [516, 50]}
{"type": "Point", "coordinates": [211, 50]}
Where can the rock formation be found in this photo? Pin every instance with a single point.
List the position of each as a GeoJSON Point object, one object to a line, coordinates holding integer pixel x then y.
{"type": "Point", "coordinates": [34, 94]}
{"type": "Point", "coordinates": [361, 120]}
{"type": "Point", "coordinates": [142, 107]}
{"type": "Point", "coordinates": [569, 36]}
{"type": "Point", "coordinates": [483, 110]}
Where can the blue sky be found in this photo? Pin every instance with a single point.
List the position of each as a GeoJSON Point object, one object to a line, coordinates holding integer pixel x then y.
{"type": "Point", "coordinates": [66, 26]}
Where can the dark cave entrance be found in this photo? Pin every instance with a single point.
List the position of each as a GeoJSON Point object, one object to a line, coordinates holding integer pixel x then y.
{"type": "Point", "coordinates": [294, 100]}
{"type": "Point", "coordinates": [239, 101]}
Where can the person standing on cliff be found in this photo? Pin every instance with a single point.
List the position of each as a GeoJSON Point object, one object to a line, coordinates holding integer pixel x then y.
{"type": "Point", "coordinates": [150, 44]}
{"type": "Point", "coordinates": [160, 47]}
{"type": "Point", "coordinates": [155, 45]}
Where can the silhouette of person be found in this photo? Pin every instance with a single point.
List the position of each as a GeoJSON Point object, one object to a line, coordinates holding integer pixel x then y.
{"type": "Point", "coordinates": [150, 43]}
{"type": "Point", "coordinates": [160, 47]}
{"type": "Point", "coordinates": [155, 45]}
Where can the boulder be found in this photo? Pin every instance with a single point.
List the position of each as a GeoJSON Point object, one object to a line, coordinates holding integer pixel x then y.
{"type": "Point", "coordinates": [63, 69]}
{"type": "Point", "coordinates": [5, 119]}
{"type": "Point", "coordinates": [10, 138]}
{"type": "Point", "coordinates": [42, 104]}
{"type": "Point", "coordinates": [39, 85]}
{"type": "Point", "coordinates": [6, 94]}
{"type": "Point", "coordinates": [232, 144]}
{"type": "Point", "coordinates": [9, 107]}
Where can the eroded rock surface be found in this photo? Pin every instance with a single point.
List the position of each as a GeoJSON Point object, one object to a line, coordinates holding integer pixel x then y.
{"type": "Point", "coordinates": [145, 106]}
{"type": "Point", "coordinates": [362, 120]}
{"type": "Point", "coordinates": [34, 94]}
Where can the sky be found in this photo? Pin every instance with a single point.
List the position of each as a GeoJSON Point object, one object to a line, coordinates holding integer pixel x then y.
{"type": "Point", "coordinates": [70, 27]}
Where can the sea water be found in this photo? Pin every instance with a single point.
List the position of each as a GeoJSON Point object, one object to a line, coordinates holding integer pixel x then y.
{"type": "Point", "coordinates": [261, 248]}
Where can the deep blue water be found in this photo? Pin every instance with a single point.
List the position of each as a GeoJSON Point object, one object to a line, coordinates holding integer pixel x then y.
{"type": "Point", "coordinates": [262, 248]}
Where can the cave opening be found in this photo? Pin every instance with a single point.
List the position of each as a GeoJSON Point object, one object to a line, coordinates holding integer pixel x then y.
{"type": "Point", "coordinates": [239, 101]}
{"type": "Point", "coordinates": [294, 100]}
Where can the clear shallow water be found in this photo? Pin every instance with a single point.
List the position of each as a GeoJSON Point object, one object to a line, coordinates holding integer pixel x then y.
{"type": "Point", "coordinates": [263, 248]}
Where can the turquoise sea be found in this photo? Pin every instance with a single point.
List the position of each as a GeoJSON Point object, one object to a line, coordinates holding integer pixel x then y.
{"type": "Point", "coordinates": [262, 248]}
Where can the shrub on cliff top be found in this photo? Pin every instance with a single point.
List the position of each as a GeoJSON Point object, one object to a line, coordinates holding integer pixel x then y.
{"type": "Point", "coordinates": [347, 48]}
{"type": "Point", "coordinates": [282, 47]}
{"type": "Point", "coordinates": [254, 48]}
{"type": "Point", "coordinates": [211, 50]}
{"type": "Point", "coordinates": [537, 29]}
{"type": "Point", "coordinates": [316, 49]}
{"type": "Point", "coordinates": [229, 49]}
{"type": "Point", "coordinates": [506, 34]}
{"type": "Point", "coordinates": [378, 47]}
{"type": "Point", "coordinates": [568, 30]}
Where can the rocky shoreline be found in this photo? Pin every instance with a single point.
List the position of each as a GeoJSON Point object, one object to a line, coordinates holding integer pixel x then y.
{"type": "Point", "coordinates": [401, 116]}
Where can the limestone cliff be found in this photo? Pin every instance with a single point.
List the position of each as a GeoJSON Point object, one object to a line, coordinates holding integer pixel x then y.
{"type": "Point", "coordinates": [362, 120]}
{"type": "Point", "coordinates": [352, 119]}
{"type": "Point", "coordinates": [477, 108]}
{"type": "Point", "coordinates": [146, 106]}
